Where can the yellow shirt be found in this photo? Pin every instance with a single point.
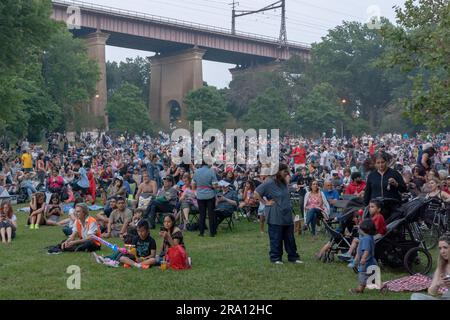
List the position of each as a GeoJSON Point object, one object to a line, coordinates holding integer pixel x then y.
{"type": "Point", "coordinates": [27, 161]}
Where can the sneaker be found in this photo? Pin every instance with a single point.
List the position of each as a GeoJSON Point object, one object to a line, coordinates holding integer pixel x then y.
{"type": "Point", "coordinates": [351, 264]}
{"type": "Point", "coordinates": [297, 261]}
{"type": "Point", "coordinates": [345, 256]}
{"type": "Point", "coordinates": [98, 259]}
{"type": "Point", "coordinates": [111, 263]}
{"type": "Point", "coordinates": [31, 226]}
{"type": "Point", "coordinates": [54, 250]}
{"type": "Point", "coordinates": [145, 266]}
{"type": "Point", "coordinates": [36, 226]}
{"type": "Point", "coordinates": [138, 265]}
{"type": "Point", "coordinates": [278, 262]}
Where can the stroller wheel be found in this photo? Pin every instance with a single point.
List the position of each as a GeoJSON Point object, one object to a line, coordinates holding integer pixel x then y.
{"type": "Point", "coordinates": [418, 260]}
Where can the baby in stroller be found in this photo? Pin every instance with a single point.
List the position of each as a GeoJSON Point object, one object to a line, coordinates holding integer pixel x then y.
{"type": "Point", "coordinates": [341, 237]}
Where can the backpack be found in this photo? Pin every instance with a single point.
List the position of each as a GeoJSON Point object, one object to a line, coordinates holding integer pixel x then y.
{"type": "Point", "coordinates": [177, 258]}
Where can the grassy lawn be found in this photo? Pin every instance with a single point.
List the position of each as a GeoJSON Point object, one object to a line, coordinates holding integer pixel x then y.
{"type": "Point", "coordinates": [234, 265]}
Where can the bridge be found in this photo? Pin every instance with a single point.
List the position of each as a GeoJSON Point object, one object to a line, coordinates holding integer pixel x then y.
{"type": "Point", "coordinates": [180, 47]}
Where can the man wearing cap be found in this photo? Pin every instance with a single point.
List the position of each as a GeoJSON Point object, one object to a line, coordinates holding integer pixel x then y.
{"type": "Point", "coordinates": [226, 203]}
{"type": "Point", "coordinates": [165, 201]}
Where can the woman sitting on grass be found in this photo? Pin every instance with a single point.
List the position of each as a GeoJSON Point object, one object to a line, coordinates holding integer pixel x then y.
{"type": "Point", "coordinates": [440, 286]}
{"type": "Point", "coordinates": [171, 235]}
{"type": "Point", "coordinates": [53, 210]}
{"type": "Point", "coordinates": [8, 223]}
{"type": "Point", "coordinates": [37, 207]}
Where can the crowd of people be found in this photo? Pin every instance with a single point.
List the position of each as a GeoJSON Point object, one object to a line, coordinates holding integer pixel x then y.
{"type": "Point", "coordinates": [138, 185]}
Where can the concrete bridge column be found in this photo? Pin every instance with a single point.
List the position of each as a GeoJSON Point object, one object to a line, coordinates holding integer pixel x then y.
{"type": "Point", "coordinates": [96, 43]}
{"type": "Point", "coordinates": [172, 77]}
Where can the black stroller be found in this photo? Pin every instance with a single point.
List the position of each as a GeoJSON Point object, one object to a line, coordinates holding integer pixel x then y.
{"type": "Point", "coordinates": [403, 244]}
{"type": "Point", "coordinates": [339, 241]}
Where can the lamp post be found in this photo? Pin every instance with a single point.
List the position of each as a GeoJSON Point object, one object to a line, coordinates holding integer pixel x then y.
{"type": "Point", "coordinates": [343, 103]}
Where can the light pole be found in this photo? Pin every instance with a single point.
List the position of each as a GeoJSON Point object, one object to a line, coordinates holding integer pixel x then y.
{"type": "Point", "coordinates": [343, 103]}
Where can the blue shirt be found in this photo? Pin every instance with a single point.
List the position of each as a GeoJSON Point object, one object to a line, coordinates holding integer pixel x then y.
{"type": "Point", "coordinates": [84, 181]}
{"type": "Point", "coordinates": [331, 195]}
{"type": "Point", "coordinates": [204, 179]}
{"type": "Point", "coordinates": [366, 243]}
{"type": "Point", "coordinates": [280, 213]}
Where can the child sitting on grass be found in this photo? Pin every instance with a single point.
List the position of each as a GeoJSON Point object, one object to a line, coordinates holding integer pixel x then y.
{"type": "Point", "coordinates": [145, 247]}
{"type": "Point", "coordinates": [8, 222]}
{"type": "Point", "coordinates": [365, 256]}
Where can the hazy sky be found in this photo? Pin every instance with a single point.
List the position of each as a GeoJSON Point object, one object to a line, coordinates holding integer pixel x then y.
{"type": "Point", "coordinates": [307, 21]}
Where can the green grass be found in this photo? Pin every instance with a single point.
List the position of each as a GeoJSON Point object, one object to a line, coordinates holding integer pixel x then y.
{"type": "Point", "coordinates": [234, 265]}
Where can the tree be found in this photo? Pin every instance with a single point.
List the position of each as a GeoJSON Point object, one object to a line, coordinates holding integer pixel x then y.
{"type": "Point", "coordinates": [206, 104]}
{"type": "Point", "coordinates": [127, 110]}
{"type": "Point", "coordinates": [320, 110]}
{"type": "Point", "coordinates": [347, 59]}
{"type": "Point", "coordinates": [268, 111]}
{"type": "Point", "coordinates": [134, 71]}
{"type": "Point", "coordinates": [25, 27]}
{"type": "Point", "coordinates": [69, 74]}
{"type": "Point", "coordinates": [244, 88]}
{"type": "Point", "coordinates": [420, 45]}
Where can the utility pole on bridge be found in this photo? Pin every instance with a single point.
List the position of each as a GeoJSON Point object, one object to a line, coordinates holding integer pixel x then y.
{"type": "Point", "coordinates": [276, 5]}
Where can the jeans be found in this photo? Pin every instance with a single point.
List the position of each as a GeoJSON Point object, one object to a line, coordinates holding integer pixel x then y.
{"type": "Point", "coordinates": [88, 246]}
{"type": "Point", "coordinates": [279, 235]}
{"type": "Point", "coordinates": [155, 207]}
{"type": "Point", "coordinates": [311, 219]}
{"type": "Point", "coordinates": [28, 185]}
{"type": "Point", "coordinates": [203, 206]}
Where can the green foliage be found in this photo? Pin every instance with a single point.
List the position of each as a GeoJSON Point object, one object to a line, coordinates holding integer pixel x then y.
{"type": "Point", "coordinates": [268, 111]}
{"type": "Point", "coordinates": [420, 46]}
{"type": "Point", "coordinates": [208, 105]}
{"type": "Point", "coordinates": [127, 110]}
{"type": "Point", "coordinates": [44, 72]}
{"type": "Point", "coordinates": [70, 75]}
{"type": "Point", "coordinates": [319, 110]}
{"type": "Point", "coordinates": [134, 71]}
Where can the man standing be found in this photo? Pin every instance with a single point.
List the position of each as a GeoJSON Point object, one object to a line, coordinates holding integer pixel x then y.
{"type": "Point", "coordinates": [278, 211]}
{"type": "Point", "coordinates": [299, 155]}
{"type": "Point", "coordinates": [205, 180]}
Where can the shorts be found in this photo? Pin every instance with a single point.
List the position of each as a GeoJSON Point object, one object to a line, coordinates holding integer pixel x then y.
{"type": "Point", "coordinates": [188, 205]}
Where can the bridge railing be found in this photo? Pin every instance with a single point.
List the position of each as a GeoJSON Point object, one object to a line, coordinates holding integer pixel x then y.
{"type": "Point", "coordinates": [175, 22]}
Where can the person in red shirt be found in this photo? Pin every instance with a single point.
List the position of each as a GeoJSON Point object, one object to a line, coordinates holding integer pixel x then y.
{"type": "Point", "coordinates": [380, 226]}
{"type": "Point", "coordinates": [446, 185]}
{"type": "Point", "coordinates": [356, 186]}
{"type": "Point", "coordinates": [377, 217]}
{"type": "Point", "coordinates": [299, 155]}
{"type": "Point", "coordinates": [55, 183]}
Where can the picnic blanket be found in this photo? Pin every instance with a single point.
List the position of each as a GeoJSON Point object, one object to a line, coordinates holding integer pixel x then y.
{"type": "Point", "coordinates": [415, 283]}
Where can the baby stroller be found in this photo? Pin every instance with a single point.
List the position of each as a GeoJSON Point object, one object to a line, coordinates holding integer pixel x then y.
{"type": "Point", "coordinates": [339, 242]}
{"type": "Point", "coordinates": [403, 244]}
